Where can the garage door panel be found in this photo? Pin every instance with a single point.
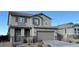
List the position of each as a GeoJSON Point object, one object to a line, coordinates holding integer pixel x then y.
{"type": "Point", "coordinates": [45, 35]}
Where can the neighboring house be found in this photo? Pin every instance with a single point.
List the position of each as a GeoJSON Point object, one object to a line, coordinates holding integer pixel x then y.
{"type": "Point", "coordinates": [69, 32]}
{"type": "Point", "coordinates": [27, 27]}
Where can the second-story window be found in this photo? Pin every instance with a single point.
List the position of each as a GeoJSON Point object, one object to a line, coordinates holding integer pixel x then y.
{"type": "Point", "coordinates": [21, 19]}
{"type": "Point", "coordinates": [36, 21]}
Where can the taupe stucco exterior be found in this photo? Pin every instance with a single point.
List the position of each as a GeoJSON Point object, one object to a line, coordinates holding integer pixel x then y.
{"type": "Point", "coordinates": [44, 26]}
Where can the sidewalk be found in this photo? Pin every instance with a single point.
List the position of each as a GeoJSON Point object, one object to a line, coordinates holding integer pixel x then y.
{"type": "Point", "coordinates": [5, 44]}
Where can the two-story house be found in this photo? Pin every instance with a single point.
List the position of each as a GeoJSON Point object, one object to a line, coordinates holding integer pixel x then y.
{"type": "Point", "coordinates": [24, 27]}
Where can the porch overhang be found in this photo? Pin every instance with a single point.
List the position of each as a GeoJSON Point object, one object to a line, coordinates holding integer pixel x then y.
{"type": "Point", "coordinates": [20, 27]}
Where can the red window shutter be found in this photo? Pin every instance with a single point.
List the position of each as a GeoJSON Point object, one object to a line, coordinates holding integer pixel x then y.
{"type": "Point", "coordinates": [16, 18]}
{"type": "Point", "coordinates": [25, 19]}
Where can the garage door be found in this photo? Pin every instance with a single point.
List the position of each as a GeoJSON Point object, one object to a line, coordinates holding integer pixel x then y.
{"type": "Point", "coordinates": [44, 35]}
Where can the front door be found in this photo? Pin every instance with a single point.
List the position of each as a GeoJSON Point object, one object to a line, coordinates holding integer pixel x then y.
{"type": "Point", "coordinates": [27, 35]}
{"type": "Point", "coordinates": [17, 35]}
{"type": "Point", "coordinates": [27, 32]}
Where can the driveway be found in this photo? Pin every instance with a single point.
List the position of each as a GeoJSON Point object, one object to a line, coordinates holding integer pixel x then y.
{"type": "Point", "coordinates": [53, 43]}
{"type": "Point", "coordinates": [56, 43]}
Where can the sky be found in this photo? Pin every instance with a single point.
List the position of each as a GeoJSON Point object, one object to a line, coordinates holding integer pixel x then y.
{"type": "Point", "coordinates": [58, 18]}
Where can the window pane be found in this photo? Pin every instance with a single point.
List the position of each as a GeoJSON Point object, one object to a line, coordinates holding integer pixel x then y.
{"type": "Point", "coordinates": [36, 21]}
{"type": "Point", "coordinates": [21, 19]}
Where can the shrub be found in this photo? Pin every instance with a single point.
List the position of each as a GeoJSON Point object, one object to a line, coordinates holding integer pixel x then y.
{"type": "Point", "coordinates": [4, 38]}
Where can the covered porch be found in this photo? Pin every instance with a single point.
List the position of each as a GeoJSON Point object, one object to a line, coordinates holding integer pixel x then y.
{"type": "Point", "coordinates": [22, 35]}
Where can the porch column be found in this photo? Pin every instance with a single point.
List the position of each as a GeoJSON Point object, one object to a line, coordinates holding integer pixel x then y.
{"type": "Point", "coordinates": [12, 34]}
{"type": "Point", "coordinates": [22, 34]}
{"type": "Point", "coordinates": [32, 32]}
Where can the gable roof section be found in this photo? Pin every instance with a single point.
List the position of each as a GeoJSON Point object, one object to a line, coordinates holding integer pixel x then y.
{"type": "Point", "coordinates": [76, 25]}
{"type": "Point", "coordinates": [67, 25]}
{"type": "Point", "coordinates": [43, 15]}
{"type": "Point", "coordinates": [26, 14]}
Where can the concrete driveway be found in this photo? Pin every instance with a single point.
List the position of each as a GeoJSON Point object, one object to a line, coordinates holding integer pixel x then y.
{"type": "Point", "coordinates": [56, 43]}
{"type": "Point", "coordinates": [53, 43]}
